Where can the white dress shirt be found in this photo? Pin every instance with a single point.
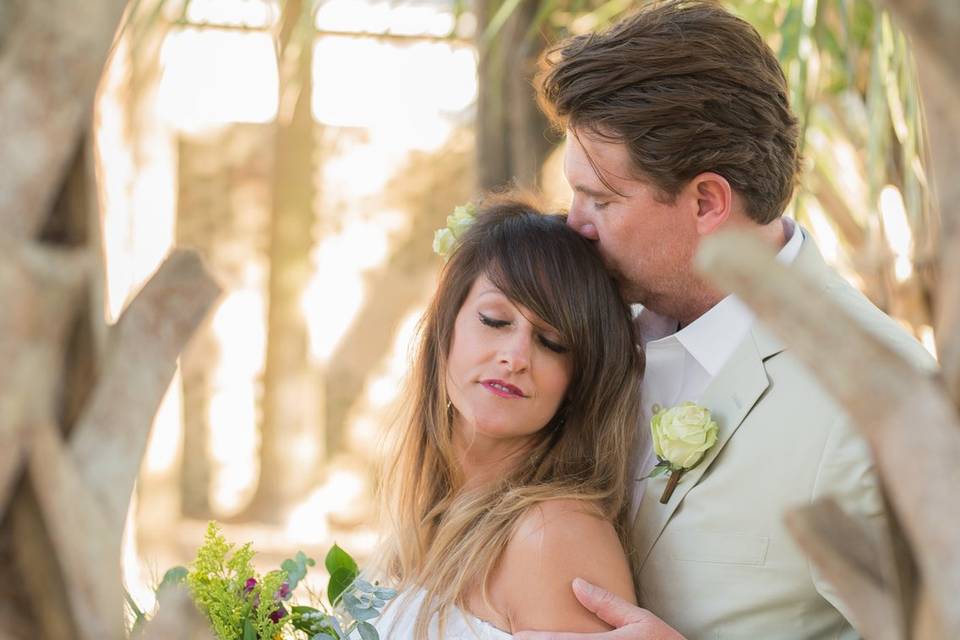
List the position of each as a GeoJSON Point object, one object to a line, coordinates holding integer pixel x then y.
{"type": "Point", "coordinates": [681, 363]}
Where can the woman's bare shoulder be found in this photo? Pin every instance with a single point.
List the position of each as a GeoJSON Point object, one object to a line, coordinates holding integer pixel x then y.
{"type": "Point", "coordinates": [554, 542]}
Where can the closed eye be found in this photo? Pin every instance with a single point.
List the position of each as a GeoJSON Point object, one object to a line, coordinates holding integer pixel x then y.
{"type": "Point", "coordinates": [493, 322]}
{"type": "Point", "coordinates": [556, 347]}
{"type": "Point", "coordinates": [600, 206]}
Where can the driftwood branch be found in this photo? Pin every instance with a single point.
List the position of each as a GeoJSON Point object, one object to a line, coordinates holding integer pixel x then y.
{"type": "Point", "coordinates": [49, 71]}
{"type": "Point", "coordinates": [887, 395]}
{"type": "Point", "coordinates": [843, 551]}
{"type": "Point", "coordinates": [940, 100]}
{"type": "Point", "coordinates": [42, 289]}
{"type": "Point", "coordinates": [110, 438]}
{"type": "Point", "coordinates": [177, 617]}
{"type": "Point", "coordinates": [78, 529]}
{"type": "Point", "coordinates": [932, 27]}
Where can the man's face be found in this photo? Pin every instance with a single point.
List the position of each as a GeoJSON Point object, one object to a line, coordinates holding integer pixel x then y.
{"type": "Point", "coordinates": [647, 245]}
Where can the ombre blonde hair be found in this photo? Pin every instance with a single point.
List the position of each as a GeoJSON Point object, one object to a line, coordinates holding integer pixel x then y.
{"type": "Point", "coordinates": [446, 539]}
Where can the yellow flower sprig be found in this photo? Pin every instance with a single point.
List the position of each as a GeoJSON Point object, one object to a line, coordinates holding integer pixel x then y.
{"type": "Point", "coordinates": [682, 435]}
{"type": "Point", "coordinates": [445, 240]}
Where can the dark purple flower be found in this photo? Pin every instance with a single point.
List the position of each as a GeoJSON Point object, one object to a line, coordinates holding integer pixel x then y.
{"type": "Point", "coordinates": [277, 615]}
{"type": "Point", "coordinates": [283, 593]}
{"type": "Point", "coordinates": [249, 585]}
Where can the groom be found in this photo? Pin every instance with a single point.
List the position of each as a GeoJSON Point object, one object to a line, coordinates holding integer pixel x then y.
{"type": "Point", "coordinates": [678, 125]}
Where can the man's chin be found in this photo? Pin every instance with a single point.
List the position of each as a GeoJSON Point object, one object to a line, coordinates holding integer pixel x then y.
{"type": "Point", "coordinates": [629, 291]}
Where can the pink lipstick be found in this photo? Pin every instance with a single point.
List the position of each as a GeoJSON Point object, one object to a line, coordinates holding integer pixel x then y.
{"type": "Point", "coordinates": [503, 389]}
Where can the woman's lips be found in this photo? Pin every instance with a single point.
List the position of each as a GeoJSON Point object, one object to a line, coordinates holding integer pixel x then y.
{"type": "Point", "coordinates": [502, 389]}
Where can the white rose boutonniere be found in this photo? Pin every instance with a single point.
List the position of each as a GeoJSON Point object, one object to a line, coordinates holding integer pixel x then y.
{"type": "Point", "coordinates": [681, 436]}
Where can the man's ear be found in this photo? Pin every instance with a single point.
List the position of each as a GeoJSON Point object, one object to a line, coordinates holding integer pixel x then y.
{"type": "Point", "coordinates": [714, 199]}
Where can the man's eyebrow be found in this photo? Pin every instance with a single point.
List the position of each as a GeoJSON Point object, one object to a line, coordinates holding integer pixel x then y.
{"type": "Point", "coordinates": [593, 192]}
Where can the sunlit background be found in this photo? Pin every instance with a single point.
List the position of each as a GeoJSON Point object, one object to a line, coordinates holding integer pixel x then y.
{"type": "Point", "coordinates": [186, 144]}
{"type": "Point", "coordinates": [316, 214]}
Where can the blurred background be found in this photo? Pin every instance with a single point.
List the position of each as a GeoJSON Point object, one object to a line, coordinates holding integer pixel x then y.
{"type": "Point", "coordinates": [308, 149]}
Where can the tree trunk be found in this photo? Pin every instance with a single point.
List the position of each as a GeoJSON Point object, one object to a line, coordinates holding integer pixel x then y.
{"type": "Point", "coordinates": [292, 429]}
{"type": "Point", "coordinates": [513, 136]}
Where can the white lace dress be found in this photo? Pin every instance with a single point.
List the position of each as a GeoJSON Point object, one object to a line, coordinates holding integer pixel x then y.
{"type": "Point", "coordinates": [398, 620]}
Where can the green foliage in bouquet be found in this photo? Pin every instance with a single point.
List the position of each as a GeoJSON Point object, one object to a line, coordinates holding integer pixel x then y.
{"type": "Point", "coordinates": [242, 605]}
{"type": "Point", "coordinates": [226, 588]}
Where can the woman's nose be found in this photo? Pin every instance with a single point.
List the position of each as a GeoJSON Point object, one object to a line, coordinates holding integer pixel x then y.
{"type": "Point", "coordinates": [515, 352]}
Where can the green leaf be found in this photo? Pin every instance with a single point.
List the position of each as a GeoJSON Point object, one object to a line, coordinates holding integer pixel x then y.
{"type": "Point", "coordinates": [249, 632]}
{"type": "Point", "coordinates": [662, 467]}
{"type": "Point", "coordinates": [367, 631]}
{"type": "Point", "coordinates": [173, 576]}
{"type": "Point", "coordinates": [340, 579]}
{"type": "Point", "coordinates": [337, 558]}
{"type": "Point", "coordinates": [322, 636]}
{"type": "Point", "coordinates": [302, 608]}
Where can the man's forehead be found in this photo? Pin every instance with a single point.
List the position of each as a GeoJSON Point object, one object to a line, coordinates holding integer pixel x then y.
{"type": "Point", "coordinates": [586, 158]}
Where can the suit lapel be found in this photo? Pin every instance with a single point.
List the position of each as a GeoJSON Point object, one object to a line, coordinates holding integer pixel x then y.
{"type": "Point", "coordinates": [730, 397]}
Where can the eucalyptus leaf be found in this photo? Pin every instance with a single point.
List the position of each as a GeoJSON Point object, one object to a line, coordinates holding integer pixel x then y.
{"type": "Point", "coordinates": [322, 636]}
{"type": "Point", "coordinates": [386, 593]}
{"type": "Point", "coordinates": [173, 576]}
{"type": "Point", "coordinates": [296, 568]}
{"type": "Point", "coordinates": [363, 585]}
{"type": "Point", "coordinates": [363, 614]}
{"type": "Point", "coordinates": [332, 621]}
{"type": "Point", "coordinates": [367, 631]}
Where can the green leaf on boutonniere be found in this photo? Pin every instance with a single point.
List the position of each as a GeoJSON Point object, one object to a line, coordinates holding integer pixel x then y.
{"type": "Point", "coordinates": [662, 467]}
{"type": "Point", "coordinates": [659, 471]}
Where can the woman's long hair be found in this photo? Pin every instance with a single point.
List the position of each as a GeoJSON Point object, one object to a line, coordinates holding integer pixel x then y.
{"type": "Point", "coordinates": [446, 539]}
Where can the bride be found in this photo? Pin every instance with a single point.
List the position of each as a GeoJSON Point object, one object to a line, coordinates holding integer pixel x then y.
{"type": "Point", "coordinates": [510, 476]}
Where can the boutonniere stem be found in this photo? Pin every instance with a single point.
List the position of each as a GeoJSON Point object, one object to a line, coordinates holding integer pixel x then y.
{"type": "Point", "coordinates": [681, 436]}
{"type": "Point", "coordinates": [671, 485]}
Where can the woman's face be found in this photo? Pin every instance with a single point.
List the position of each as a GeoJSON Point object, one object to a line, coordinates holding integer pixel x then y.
{"type": "Point", "coordinates": [507, 370]}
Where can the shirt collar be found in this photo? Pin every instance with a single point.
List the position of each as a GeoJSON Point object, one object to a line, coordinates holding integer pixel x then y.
{"type": "Point", "coordinates": [712, 337]}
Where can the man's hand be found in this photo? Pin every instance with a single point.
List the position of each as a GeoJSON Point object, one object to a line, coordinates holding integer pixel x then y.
{"type": "Point", "coordinates": [631, 622]}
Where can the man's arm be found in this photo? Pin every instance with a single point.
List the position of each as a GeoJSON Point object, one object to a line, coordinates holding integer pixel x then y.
{"type": "Point", "coordinates": [630, 622]}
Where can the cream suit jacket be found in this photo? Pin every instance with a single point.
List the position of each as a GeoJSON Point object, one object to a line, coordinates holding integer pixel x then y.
{"type": "Point", "coordinates": [716, 561]}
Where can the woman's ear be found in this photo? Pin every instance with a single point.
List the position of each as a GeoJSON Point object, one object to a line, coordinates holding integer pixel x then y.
{"type": "Point", "coordinates": [714, 199]}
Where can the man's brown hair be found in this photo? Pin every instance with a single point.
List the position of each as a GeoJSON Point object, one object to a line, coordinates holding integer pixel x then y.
{"type": "Point", "coordinates": [688, 87]}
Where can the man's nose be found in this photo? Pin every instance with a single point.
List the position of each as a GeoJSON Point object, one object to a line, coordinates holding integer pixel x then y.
{"type": "Point", "coordinates": [581, 223]}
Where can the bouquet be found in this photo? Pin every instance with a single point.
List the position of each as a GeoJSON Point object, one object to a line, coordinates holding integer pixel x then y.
{"type": "Point", "coordinates": [244, 605]}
